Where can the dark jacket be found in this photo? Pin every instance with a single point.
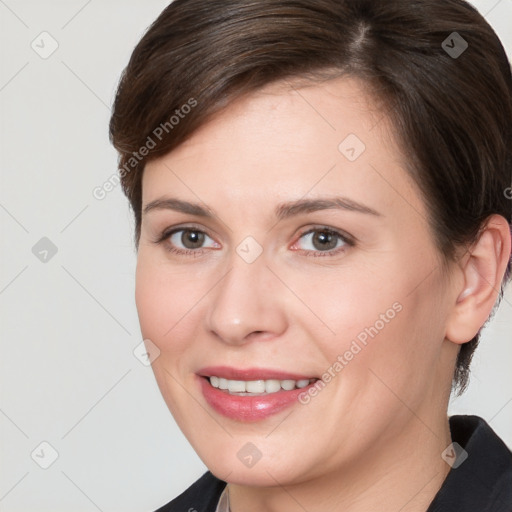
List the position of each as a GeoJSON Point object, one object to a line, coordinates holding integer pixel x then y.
{"type": "Point", "coordinates": [482, 482]}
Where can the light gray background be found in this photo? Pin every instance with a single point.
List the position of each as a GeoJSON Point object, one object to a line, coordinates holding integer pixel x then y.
{"type": "Point", "coordinates": [69, 326]}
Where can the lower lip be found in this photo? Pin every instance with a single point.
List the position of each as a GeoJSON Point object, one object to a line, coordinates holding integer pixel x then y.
{"type": "Point", "coordinates": [249, 408]}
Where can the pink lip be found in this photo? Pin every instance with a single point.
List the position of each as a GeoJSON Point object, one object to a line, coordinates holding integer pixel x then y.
{"type": "Point", "coordinates": [248, 408]}
{"type": "Point", "coordinates": [230, 373]}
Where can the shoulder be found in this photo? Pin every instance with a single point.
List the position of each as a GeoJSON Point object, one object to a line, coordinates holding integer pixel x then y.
{"type": "Point", "coordinates": [202, 496]}
{"type": "Point", "coordinates": [481, 475]}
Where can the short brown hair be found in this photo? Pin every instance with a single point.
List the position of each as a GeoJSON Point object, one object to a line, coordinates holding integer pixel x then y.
{"type": "Point", "coordinates": [451, 110]}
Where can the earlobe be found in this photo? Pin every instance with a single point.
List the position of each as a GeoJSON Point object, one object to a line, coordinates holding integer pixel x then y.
{"type": "Point", "coordinates": [483, 269]}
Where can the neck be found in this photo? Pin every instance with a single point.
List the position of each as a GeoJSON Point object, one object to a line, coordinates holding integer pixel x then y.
{"type": "Point", "coordinates": [402, 473]}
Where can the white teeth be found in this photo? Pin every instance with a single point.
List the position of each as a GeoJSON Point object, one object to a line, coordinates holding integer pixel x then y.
{"type": "Point", "coordinates": [272, 386]}
{"type": "Point", "coordinates": [254, 386]}
{"type": "Point", "coordinates": [257, 386]}
{"type": "Point", "coordinates": [288, 385]}
{"type": "Point", "coordinates": [236, 386]}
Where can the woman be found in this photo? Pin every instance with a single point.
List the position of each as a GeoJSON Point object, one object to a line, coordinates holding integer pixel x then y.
{"type": "Point", "coordinates": [321, 197]}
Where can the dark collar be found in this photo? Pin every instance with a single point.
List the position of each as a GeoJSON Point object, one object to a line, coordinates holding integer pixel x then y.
{"type": "Point", "coordinates": [482, 483]}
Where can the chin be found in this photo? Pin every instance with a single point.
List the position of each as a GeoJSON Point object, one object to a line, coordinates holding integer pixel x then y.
{"type": "Point", "coordinates": [260, 475]}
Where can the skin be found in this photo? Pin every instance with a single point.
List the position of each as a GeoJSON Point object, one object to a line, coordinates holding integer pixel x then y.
{"type": "Point", "coordinates": [372, 438]}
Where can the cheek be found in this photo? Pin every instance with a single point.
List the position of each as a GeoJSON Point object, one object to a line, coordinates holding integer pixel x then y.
{"type": "Point", "coordinates": [165, 305]}
{"type": "Point", "coordinates": [402, 346]}
{"type": "Point", "coordinates": [152, 298]}
{"type": "Point", "coordinates": [383, 318]}
{"type": "Point", "coordinates": [165, 317]}
{"type": "Point", "coordinates": [346, 303]}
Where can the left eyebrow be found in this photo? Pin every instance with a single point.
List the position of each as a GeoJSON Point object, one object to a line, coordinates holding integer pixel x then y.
{"type": "Point", "coordinates": [286, 210]}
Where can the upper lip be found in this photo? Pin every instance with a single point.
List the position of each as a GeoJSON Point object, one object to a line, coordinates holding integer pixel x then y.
{"type": "Point", "coordinates": [230, 373]}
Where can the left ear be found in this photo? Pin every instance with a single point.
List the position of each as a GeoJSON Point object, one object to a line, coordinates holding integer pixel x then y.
{"type": "Point", "coordinates": [483, 268]}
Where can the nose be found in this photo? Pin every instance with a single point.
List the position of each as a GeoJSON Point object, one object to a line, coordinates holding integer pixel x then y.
{"type": "Point", "coordinates": [247, 304]}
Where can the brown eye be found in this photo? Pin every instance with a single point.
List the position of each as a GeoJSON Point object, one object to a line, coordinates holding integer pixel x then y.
{"type": "Point", "coordinates": [189, 239]}
{"type": "Point", "coordinates": [321, 240]}
{"type": "Point", "coordinates": [192, 239]}
{"type": "Point", "coordinates": [324, 240]}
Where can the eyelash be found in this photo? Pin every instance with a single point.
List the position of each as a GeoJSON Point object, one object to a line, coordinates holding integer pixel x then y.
{"type": "Point", "coordinates": [347, 240]}
{"type": "Point", "coordinates": [166, 234]}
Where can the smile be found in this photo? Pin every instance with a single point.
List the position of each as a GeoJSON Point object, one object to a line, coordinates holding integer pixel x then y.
{"type": "Point", "coordinates": [257, 387]}
{"type": "Point", "coordinates": [252, 394]}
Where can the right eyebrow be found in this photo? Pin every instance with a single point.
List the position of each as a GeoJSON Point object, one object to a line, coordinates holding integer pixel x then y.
{"type": "Point", "coordinates": [168, 203]}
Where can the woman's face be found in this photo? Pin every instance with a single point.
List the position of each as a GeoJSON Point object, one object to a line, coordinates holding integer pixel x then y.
{"type": "Point", "coordinates": [284, 247]}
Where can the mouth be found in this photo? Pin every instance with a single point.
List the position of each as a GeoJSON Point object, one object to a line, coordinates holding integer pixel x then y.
{"type": "Point", "coordinates": [251, 394]}
{"type": "Point", "coordinates": [259, 387]}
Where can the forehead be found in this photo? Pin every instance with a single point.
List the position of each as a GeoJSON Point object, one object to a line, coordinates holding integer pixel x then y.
{"type": "Point", "coordinates": [291, 112]}
{"type": "Point", "coordinates": [284, 141]}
